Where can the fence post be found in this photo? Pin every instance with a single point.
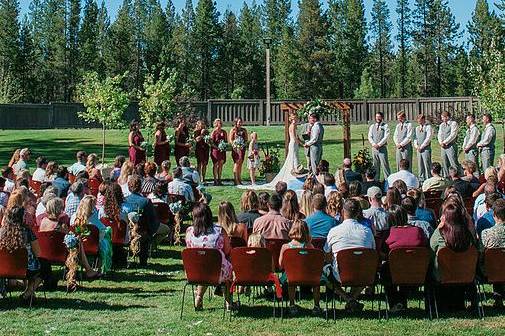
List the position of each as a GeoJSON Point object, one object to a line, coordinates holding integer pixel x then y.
{"type": "Point", "coordinates": [209, 112]}
{"type": "Point", "coordinates": [418, 106]}
{"type": "Point", "coordinates": [51, 115]}
{"type": "Point", "coordinates": [367, 109]}
{"type": "Point", "coordinates": [470, 110]}
{"type": "Point", "coordinates": [261, 112]}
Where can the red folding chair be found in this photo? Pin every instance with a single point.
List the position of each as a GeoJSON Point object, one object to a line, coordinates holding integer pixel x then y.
{"type": "Point", "coordinates": [253, 267]}
{"type": "Point", "coordinates": [304, 267]}
{"type": "Point", "coordinates": [274, 246]}
{"type": "Point", "coordinates": [90, 243]}
{"type": "Point", "coordinates": [494, 265]}
{"type": "Point", "coordinates": [237, 242]}
{"type": "Point", "coordinates": [433, 201]}
{"type": "Point", "coordinates": [52, 247]}
{"type": "Point", "coordinates": [458, 268]}
{"type": "Point", "coordinates": [202, 267]}
{"type": "Point", "coordinates": [13, 265]}
{"type": "Point", "coordinates": [318, 243]}
{"type": "Point", "coordinates": [357, 267]}
{"type": "Point", "coordinates": [118, 230]}
{"type": "Point", "coordinates": [35, 186]}
{"type": "Point", "coordinates": [93, 185]}
{"type": "Point", "coordinates": [469, 202]}
{"type": "Point", "coordinates": [408, 267]}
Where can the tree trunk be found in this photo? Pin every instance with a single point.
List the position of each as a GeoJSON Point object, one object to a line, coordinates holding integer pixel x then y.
{"type": "Point", "coordinates": [103, 144]}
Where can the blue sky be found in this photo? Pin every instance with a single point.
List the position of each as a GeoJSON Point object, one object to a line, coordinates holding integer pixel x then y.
{"type": "Point", "coordinates": [462, 9]}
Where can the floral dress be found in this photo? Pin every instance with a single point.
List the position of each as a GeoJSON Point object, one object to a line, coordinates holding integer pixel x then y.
{"type": "Point", "coordinates": [214, 239]}
{"type": "Point", "coordinates": [253, 158]}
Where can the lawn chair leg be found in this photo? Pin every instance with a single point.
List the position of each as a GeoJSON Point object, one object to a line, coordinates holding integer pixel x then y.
{"type": "Point", "coordinates": [427, 295]}
{"type": "Point", "coordinates": [386, 302]}
{"type": "Point", "coordinates": [275, 299]}
{"type": "Point", "coordinates": [183, 296]}
{"type": "Point", "coordinates": [434, 293]}
{"type": "Point", "coordinates": [326, 303]}
{"type": "Point", "coordinates": [480, 307]}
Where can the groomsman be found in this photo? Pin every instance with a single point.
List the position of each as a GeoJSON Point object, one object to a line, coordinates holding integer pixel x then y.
{"type": "Point", "coordinates": [403, 140]}
{"type": "Point", "coordinates": [471, 138]}
{"type": "Point", "coordinates": [487, 142]}
{"type": "Point", "coordinates": [422, 144]}
{"type": "Point", "coordinates": [447, 138]}
{"type": "Point", "coordinates": [378, 134]}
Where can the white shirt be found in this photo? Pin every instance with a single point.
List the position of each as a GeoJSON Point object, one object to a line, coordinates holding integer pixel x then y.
{"type": "Point", "coordinates": [40, 209]}
{"type": "Point", "coordinates": [179, 187]}
{"type": "Point", "coordinates": [471, 137]}
{"type": "Point", "coordinates": [452, 136]}
{"type": "Point", "coordinates": [19, 166]}
{"type": "Point", "coordinates": [314, 134]}
{"type": "Point", "coordinates": [410, 179]}
{"type": "Point", "coordinates": [384, 140]}
{"type": "Point", "coordinates": [9, 186]}
{"type": "Point", "coordinates": [429, 134]}
{"type": "Point", "coordinates": [487, 137]}
{"type": "Point", "coordinates": [407, 139]}
{"type": "Point", "coordinates": [39, 175]}
{"type": "Point", "coordinates": [76, 168]}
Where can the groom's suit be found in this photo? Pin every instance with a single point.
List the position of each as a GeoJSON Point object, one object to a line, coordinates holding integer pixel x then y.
{"type": "Point", "coordinates": [315, 144]}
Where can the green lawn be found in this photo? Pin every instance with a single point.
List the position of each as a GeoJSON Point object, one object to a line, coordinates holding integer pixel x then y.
{"type": "Point", "coordinates": [146, 302]}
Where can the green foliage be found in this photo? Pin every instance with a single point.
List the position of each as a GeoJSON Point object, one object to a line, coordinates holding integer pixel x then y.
{"type": "Point", "coordinates": [381, 56]}
{"type": "Point", "coordinates": [317, 106]}
{"type": "Point", "coordinates": [362, 161]}
{"type": "Point", "coordinates": [270, 163]}
{"type": "Point", "coordinates": [366, 89]}
{"type": "Point", "coordinates": [492, 94]}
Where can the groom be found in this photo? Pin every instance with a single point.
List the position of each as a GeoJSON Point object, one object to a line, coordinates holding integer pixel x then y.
{"type": "Point", "coordinates": [315, 143]}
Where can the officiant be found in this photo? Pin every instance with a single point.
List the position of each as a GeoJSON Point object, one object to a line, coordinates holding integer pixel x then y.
{"type": "Point", "coordinates": [315, 143]}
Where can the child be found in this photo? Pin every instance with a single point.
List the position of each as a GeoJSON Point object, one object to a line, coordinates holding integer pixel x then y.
{"type": "Point", "coordinates": [256, 240]}
{"type": "Point", "coordinates": [300, 238]}
{"type": "Point", "coordinates": [253, 158]}
{"type": "Point", "coordinates": [118, 163]}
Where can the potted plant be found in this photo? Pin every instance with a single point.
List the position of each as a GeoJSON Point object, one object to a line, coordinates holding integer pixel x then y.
{"type": "Point", "coordinates": [270, 165]}
{"type": "Point", "coordinates": [362, 161]}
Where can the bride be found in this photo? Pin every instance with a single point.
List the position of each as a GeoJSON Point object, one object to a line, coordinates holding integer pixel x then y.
{"type": "Point", "coordinates": [291, 162]}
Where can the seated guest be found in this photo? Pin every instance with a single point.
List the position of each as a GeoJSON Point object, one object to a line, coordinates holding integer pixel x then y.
{"type": "Point", "coordinates": [4, 196]}
{"type": "Point", "coordinates": [22, 164]}
{"type": "Point", "coordinates": [227, 219]}
{"type": "Point", "coordinates": [249, 204]}
{"type": "Point", "coordinates": [318, 189]}
{"type": "Point", "coordinates": [299, 174]}
{"type": "Point", "coordinates": [319, 222]}
{"type": "Point", "coordinates": [54, 217]}
{"type": "Point", "coordinates": [494, 237]}
{"type": "Point", "coordinates": [335, 205]}
{"type": "Point", "coordinates": [204, 233]}
{"type": "Point", "coordinates": [189, 174]}
{"type": "Point", "coordinates": [273, 225]}
{"type": "Point", "coordinates": [14, 157]}
{"type": "Point", "coordinates": [322, 168]}
{"type": "Point", "coordinates": [124, 177]}
{"type": "Point", "coordinates": [61, 182]}
{"type": "Point", "coordinates": [281, 188]}
{"type": "Point", "coordinates": [401, 186]}
{"type": "Point", "coordinates": [139, 170]}
{"type": "Point", "coordinates": [149, 182]}
{"type": "Point", "coordinates": [39, 174]}
{"type": "Point", "coordinates": [290, 207]}
{"type": "Point", "coordinates": [51, 171]}
{"type": "Point", "coordinates": [150, 225]}
{"type": "Point", "coordinates": [349, 174]}
{"type": "Point", "coordinates": [74, 197]}
{"type": "Point", "coordinates": [112, 208]}
{"type": "Point", "coordinates": [422, 213]}
{"type": "Point", "coordinates": [165, 172]}
{"type": "Point", "coordinates": [329, 184]}
{"type": "Point", "coordinates": [263, 198]}
{"type": "Point", "coordinates": [479, 206]}
{"type": "Point", "coordinates": [462, 186]}
{"type": "Point", "coordinates": [453, 233]}
{"type": "Point", "coordinates": [300, 238]}
{"type": "Point", "coordinates": [159, 194]}
{"type": "Point", "coordinates": [376, 213]}
{"type": "Point", "coordinates": [116, 171]}
{"type": "Point", "coordinates": [48, 194]}
{"type": "Point", "coordinates": [180, 187]}
{"type": "Point", "coordinates": [356, 192]}
{"type": "Point", "coordinates": [487, 220]}
{"type": "Point", "coordinates": [80, 165]}
{"type": "Point", "coordinates": [256, 240]}
{"type": "Point", "coordinates": [370, 180]}
{"type": "Point", "coordinates": [15, 235]}
{"type": "Point", "coordinates": [349, 234]}
{"type": "Point", "coordinates": [404, 175]}
{"type": "Point", "coordinates": [490, 175]}
{"type": "Point", "coordinates": [91, 168]}
{"type": "Point", "coordinates": [436, 182]}
{"type": "Point", "coordinates": [10, 177]}
{"type": "Point", "coordinates": [306, 203]}
{"type": "Point", "coordinates": [469, 169]}
{"type": "Point", "coordinates": [401, 235]}
{"type": "Point", "coordinates": [410, 205]}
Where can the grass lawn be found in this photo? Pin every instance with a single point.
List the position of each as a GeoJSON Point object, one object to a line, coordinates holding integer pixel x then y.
{"type": "Point", "coordinates": [147, 302]}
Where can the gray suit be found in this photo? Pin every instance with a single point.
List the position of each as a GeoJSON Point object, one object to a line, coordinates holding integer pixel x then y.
{"type": "Point", "coordinates": [315, 144]}
{"type": "Point", "coordinates": [448, 135]}
{"type": "Point", "coordinates": [486, 144]}
{"type": "Point", "coordinates": [378, 135]}
{"type": "Point", "coordinates": [403, 137]}
{"type": "Point", "coordinates": [306, 130]}
{"type": "Point", "coordinates": [423, 141]}
{"type": "Point", "coordinates": [470, 142]}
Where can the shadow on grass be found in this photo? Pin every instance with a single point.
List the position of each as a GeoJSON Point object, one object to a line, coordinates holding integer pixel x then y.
{"type": "Point", "coordinates": [126, 290]}
{"type": "Point", "coordinates": [69, 303]}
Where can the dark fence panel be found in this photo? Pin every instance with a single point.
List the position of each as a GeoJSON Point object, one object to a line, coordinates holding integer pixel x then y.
{"type": "Point", "coordinates": [253, 112]}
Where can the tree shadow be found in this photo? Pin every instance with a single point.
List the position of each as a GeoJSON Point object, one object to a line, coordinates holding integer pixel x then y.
{"type": "Point", "coordinates": [72, 303]}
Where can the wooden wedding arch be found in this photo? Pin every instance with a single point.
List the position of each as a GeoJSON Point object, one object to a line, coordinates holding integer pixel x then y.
{"type": "Point", "coordinates": [288, 108]}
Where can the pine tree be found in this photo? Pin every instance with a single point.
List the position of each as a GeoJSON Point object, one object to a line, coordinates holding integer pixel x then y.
{"type": "Point", "coordinates": [72, 71]}
{"type": "Point", "coordinates": [88, 38]}
{"type": "Point", "coordinates": [251, 73]}
{"type": "Point", "coordinates": [404, 43]}
{"type": "Point", "coordinates": [27, 64]}
{"type": "Point", "coordinates": [460, 79]}
{"type": "Point", "coordinates": [366, 88]}
{"type": "Point", "coordinates": [336, 37]}
{"type": "Point", "coordinates": [35, 24]}
{"type": "Point", "coordinates": [9, 47]}
{"type": "Point", "coordinates": [103, 26]}
{"type": "Point", "coordinates": [206, 42]}
{"type": "Point", "coordinates": [156, 36]}
{"type": "Point", "coordinates": [423, 27]}
{"type": "Point", "coordinates": [315, 54]}
{"type": "Point", "coordinates": [287, 67]}
{"type": "Point", "coordinates": [229, 57]}
{"type": "Point", "coordinates": [140, 20]}
{"type": "Point", "coordinates": [381, 54]}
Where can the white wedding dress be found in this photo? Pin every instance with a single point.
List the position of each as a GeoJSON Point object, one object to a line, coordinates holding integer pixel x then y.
{"type": "Point", "coordinates": [284, 174]}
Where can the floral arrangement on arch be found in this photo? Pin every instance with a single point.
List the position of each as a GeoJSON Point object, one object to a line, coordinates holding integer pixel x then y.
{"type": "Point", "coordinates": [271, 162]}
{"type": "Point", "coordinates": [362, 161]}
{"type": "Point", "coordinates": [316, 106]}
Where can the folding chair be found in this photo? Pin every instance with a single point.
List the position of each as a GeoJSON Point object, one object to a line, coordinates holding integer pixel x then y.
{"type": "Point", "coordinates": [93, 185]}
{"type": "Point", "coordinates": [432, 201]}
{"type": "Point", "coordinates": [202, 267]}
{"type": "Point", "coordinates": [166, 217]}
{"type": "Point", "coordinates": [274, 246]}
{"type": "Point", "coordinates": [13, 266]}
{"type": "Point", "coordinates": [357, 267]}
{"type": "Point", "coordinates": [253, 267]}
{"type": "Point", "coordinates": [35, 186]}
{"type": "Point", "coordinates": [118, 231]}
{"type": "Point", "coordinates": [494, 265]}
{"type": "Point", "coordinates": [52, 248]}
{"type": "Point", "coordinates": [458, 268]}
{"type": "Point", "coordinates": [408, 267]}
{"type": "Point", "coordinates": [237, 242]}
{"type": "Point", "coordinates": [318, 243]}
{"type": "Point", "coordinates": [304, 267]}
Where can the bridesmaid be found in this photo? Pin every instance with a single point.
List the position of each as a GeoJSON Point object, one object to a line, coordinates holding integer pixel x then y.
{"type": "Point", "coordinates": [202, 148]}
{"type": "Point", "coordinates": [136, 152]}
{"type": "Point", "coordinates": [218, 157]}
{"type": "Point", "coordinates": [161, 145]}
{"type": "Point", "coordinates": [238, 155]}
{"type": "Point", "coordinates": [182, 147]}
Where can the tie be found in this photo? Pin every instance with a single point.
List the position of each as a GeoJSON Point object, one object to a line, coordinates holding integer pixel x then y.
{"type": "Point", "coordinates": [401, 127]}
{"type": "Point", "coordinates": [378, 125]}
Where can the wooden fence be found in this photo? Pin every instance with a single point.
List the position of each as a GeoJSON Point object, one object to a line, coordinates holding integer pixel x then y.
{"type": "Point", "coordinates": [253, 112]}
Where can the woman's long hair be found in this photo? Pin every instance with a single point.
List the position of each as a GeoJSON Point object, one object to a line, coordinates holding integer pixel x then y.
{"type": "Point", "coordinates": [249, 201]}
{"type": "Point", "coordinates": [91, 163]}
{"type": "Point", "coordinates": [126, 171]}
{"type": "Point", "coordinates": [306, 203]}
{"type": "Point", "coordinates": [12, 237]}
{"type": "Point", "coordinates": [455, 230]}
{"type": "Point", "coordinates": [397, 216]}
{"type": "Point", "coordinates": [335, 203]}
{"type": "Point", "coordinates": [290, 207]}
{"type": "Point", "coordinates": [15, 157]}
{"type": "Point", "coordinates": [84, 211]}
{"type": "Point", "coordinates": [393, 196]}
{"type": "Point", "coordinates": [227, 218]}
{"type": "Point", "coordinates": [111, 205]}
{"type": "Point", "coordinates": [202, 219]}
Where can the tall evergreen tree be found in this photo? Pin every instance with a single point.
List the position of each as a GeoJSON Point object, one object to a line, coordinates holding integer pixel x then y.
{"type": "Point", "coordinates": [228, 61]}
{"type": "Point", "coordinates": [88, 38]}
{"type": "Point", "coordinates": [403, 38]}
{"type": "Point", "coordinates": [9, 45]}
{"type": "Point", "coordinates": [73, 26]}
{"type": "Point", "coordinates": [156, 36]}
{"type": "Point", "coordinates": [381, 55]}
{"type": "Point", "coordinates": [27, 64]}
{"type": "Point", "coordinates": [206, 42]}
{"type": "Point", "coordinates": [103, 25]}
{"type": "Point", "coordinates": [423, 26]}
{"type": "Point", "coordinates": [337, 40]}
{"type": "Point", "coordinates": [287, 67]}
